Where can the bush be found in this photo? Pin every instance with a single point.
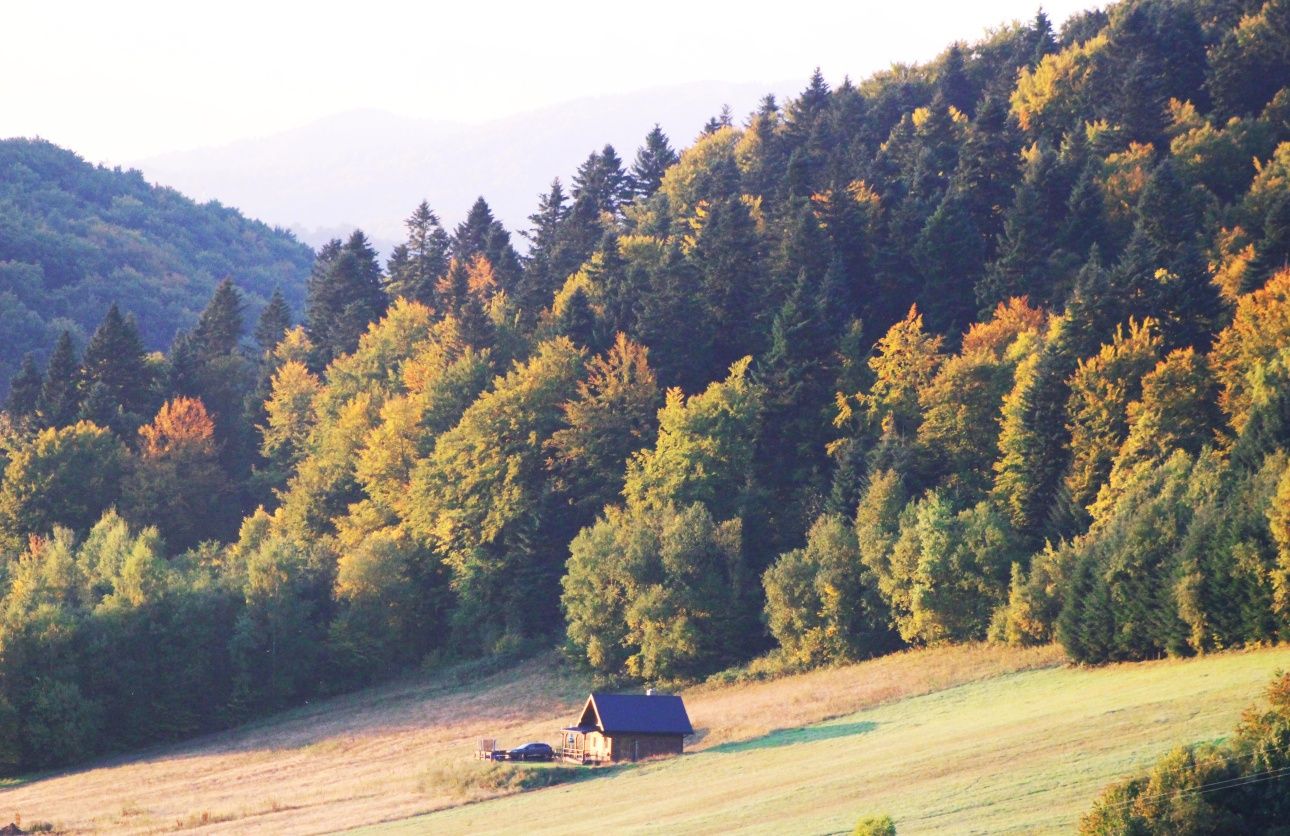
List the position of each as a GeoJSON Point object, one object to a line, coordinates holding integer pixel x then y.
{"type": "Point", "coordinates": [1233, 787]}
{"type": "Point", "coordinates": [875, 826]}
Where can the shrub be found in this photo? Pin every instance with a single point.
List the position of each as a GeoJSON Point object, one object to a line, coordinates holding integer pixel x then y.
{"type": "Point", "coordinates": [875, 826]}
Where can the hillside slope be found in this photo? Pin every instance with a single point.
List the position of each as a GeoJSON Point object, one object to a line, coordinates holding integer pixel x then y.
{"type": "Point", "coordinates": [1023, 752]}
{"type": "Point", "coordinates": [75, 237]}
{"type": "Point", "coordinates": [971, 736]}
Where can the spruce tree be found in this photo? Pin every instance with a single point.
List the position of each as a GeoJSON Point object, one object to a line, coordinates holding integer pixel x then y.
{"type": "Point", "coordinates": [1042, 40]}
{"type": "Point", "coordinates": [808, 107]}
{"type": "Point", "coordinates": [1164, 271]}
{"type": "Point", "coordinates": [115, 372]}
{"type": "Point", "coordinates": [952, 82]}
{"type": "Point", "coordinates": [24, 390]}
{"type": "Point", "coordinates": [344, 297]}
{"type": "Point", "coordinates": [549, 261]}
{"type": "Point", "coordinates": [274, 321]}
{"type": "Point", "coordinates": [727, 255]}
{"type": "Point", "coordinates": [415, 267]}
{"type": "Point", "coordinates": [219, 328]}
{"type": "Point", "coordinates": [461, 302]}
{"type": "Point", "coordinates": [470, 237]}
{"type": "Point", "coordinates": [577, 321]}
{"type": "Point", "coordinates": [601, 179]}
{"type": "Point", "coordinates": [652, 161]}
{"type": "Point", "coordinates": [60, 398]}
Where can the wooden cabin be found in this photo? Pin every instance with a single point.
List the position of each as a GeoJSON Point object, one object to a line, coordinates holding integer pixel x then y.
{"type": "Point", "coordinates": [626, 727]}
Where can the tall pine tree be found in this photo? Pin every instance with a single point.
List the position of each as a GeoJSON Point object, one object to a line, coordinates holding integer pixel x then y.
{"type": "Point", "coordinates": [344, 297]}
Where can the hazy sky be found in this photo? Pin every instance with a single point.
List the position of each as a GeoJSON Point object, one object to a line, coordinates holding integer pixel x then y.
{"type": "Point", "coordinates": [117, 80]}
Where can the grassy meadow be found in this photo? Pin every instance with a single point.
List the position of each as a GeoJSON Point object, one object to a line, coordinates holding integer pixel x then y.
{"type": "Point", "coordinates": [1019, 752]}
{"type": "Point", "coordinates": [956, 739]}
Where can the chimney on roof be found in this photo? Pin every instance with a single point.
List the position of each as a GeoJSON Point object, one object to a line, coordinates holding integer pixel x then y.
{"type": "Point", "coordinates": [649, 692]}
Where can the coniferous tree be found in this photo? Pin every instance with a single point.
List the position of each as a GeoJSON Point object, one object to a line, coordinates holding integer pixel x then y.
{"type": "Point", "coordinates": [550, 259]}
{"type": "Point", "coordinates": [1163, 270]}
{"type": "Point", "coordinates": [727, 256]}
{"type": "Point", "coordinates": [671, 320]}
{"type": "Point", "coordinates": [24, 390]}
{"type": "Point", "coordinates": [115, 375]}
{"type": "Point", "coordinates": [470, 238]}
{"type": "Point", "coordinates": [274, 321]}
{"type": "Point", "coordinates": [345, 296]}
{"type": "Point", "coordinates": [577, 321]}
{"type": "Point", "coordinates": [953, 84]}
{"type": "Point", "coordinates": [602, 180]}
{"type": "Point", "coordinates": [60, 398]}
{"type": "Point", "coordinates": [415, 266]}
{"type": "Point", "coordinates": [465, 303]}
{"type": "Point", "coordinates": [1041, 33]}
{"type": "Point", "coordinates": [653, 159]}
{"type": "Point", "coordinates": [221, 324]}
{"type": "Point", "coordinates": [482, 234]}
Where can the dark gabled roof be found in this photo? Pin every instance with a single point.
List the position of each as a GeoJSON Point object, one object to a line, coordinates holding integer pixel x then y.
{"type": "Point", "coordinates": [637, 713]}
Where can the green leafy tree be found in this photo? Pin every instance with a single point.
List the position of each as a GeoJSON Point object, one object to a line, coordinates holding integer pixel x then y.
{"type": "Point", "coordinates": [1225, 787]}
{"type": "Point", "coordinates": [1102, 389]}
{"type": "Point", "coordinates": [277, 637]}
{"type": "Point", "coordinates": [1178, 410]}
{"type": "Point", "coordinates": [176, 482]}
{"type": "Point", "coordinates": [612, 418]}
{"type": "Point", "coordinates": [904, 362]}
{"type": "Point", "coordinates": [64, 476]}
{"type": "Point", "coordinates": [656, 592]}
{"type": "Point", "coordinates": [486, 501]}
{"type": "Point", "coordinates": [821, 603]}
{"type": "Point", "coordinates": [705, 448]}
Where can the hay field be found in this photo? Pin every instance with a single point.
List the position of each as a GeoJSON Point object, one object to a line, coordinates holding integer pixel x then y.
{"type": "Point", "coordinates": [1024, 752]}
{"type": "Point", "coordinates": [944, 739]}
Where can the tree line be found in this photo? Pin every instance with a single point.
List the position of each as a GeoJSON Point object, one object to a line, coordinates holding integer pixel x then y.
{"type": "Point", "coordinates": [993, 347]}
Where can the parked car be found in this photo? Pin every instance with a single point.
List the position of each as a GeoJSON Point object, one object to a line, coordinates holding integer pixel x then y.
{"type": "Point", "coordinates": [531, 752]}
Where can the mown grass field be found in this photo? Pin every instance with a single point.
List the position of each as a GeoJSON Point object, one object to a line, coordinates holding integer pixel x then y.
{"type": "Point", "coordinates": [1021, 752]}
{"type": "Point", "coordinates": [961, 739]}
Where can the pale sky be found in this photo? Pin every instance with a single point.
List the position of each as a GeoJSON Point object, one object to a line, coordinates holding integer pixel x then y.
{"type": "Point", "coordinates": [119, 80]}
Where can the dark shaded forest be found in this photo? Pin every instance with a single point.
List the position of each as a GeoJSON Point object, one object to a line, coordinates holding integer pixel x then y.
{"type": "Point", "coordinates": [75, 238]}
{"type": "Point", "coordinates": [990, 348]}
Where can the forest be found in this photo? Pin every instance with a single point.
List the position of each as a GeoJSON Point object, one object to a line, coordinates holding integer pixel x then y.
{"type": "Point", "coordinates": [995, 347]}
{"type": "Point", "coordinates": [76, 237]}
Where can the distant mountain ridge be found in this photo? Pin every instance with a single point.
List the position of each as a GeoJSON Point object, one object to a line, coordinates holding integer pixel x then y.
{"type": "Point", "coordinates": [76, 237]}
{"type": "Point", "coordinates": [369, 168]}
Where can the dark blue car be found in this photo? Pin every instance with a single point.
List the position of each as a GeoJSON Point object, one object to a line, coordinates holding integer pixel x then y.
{"type": "Point", "coordinates": [531, 752]}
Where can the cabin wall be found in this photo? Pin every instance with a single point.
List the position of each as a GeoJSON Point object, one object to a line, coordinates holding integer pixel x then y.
{"type": "Point", "coordinates": [598, 746]}
{"type": "Point", "coordinates": [630, 747]}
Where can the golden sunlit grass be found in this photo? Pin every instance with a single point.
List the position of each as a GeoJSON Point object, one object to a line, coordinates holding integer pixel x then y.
{"type": "Point", "coordinates": [900, 737]}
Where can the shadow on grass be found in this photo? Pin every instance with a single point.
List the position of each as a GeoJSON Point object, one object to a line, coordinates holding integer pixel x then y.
{"type": "Point", "coordinates": [792, 737]}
